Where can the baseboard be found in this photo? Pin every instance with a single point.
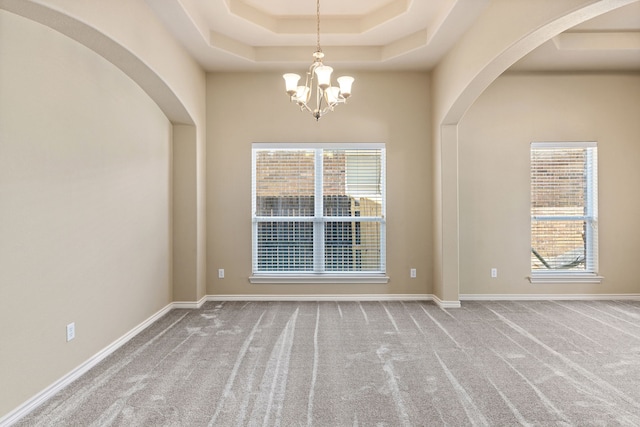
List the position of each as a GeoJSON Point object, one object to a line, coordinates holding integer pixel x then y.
{"type": "Point", "coordinates": [189, 304]}
{"type": "Point", "coordinates": [446, 304]}
{"type": "Point", "coordinates": [350, 297]}
{"type": "Point", "coordinates": [541, 297]}
{"type": "Point", "coordinates": [31, 404]}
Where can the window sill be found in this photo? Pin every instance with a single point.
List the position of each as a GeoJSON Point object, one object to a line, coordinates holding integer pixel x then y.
{"type": "Point", "coordinates": [318, 278]}
{"type": "Point", "coordinates": [565, 278]}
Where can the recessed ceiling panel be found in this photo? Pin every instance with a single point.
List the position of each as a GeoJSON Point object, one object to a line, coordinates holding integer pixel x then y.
{"type": "Point", "coordinates": [308, 7]}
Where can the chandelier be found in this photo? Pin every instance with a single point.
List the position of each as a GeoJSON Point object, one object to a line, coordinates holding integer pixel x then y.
{"type": "Point", "coordinates": [318, 80]}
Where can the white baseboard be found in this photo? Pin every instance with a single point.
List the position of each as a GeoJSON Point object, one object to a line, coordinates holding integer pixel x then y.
{"type": "Point", "coordinates": [351, 297]}
{"type": "Point", "coordinates": [189, 304]}
{"type": "Point", "coordinates": [446, 304]}
{"type": "Point", "coordinates": [541, 297]}
{"type": "Point", "coordinates": [28, 406]}
{"type": "Point", "coordinates": [411, 297]}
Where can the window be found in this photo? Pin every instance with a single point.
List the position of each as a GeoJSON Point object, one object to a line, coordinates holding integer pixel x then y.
{"type": "Point", "coordinates": [564, 209]}
{"type": "Point", "coordinates": [318, 212]}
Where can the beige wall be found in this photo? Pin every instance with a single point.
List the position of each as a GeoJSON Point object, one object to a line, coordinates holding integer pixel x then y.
{"type": "Point", "coordinates": [505, 31]}
{"type": "Point", "coordinates": [385, 107]}
{"type": "Point", "coordinates": [84, 206]}
{"type": "Point", "coordinates": [158, 63]}
{"type": "Point", "coordinates": [494, 138]}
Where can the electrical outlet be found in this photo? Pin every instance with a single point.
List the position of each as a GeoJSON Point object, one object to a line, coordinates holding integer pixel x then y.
{"type": "Point", "coordinates": [71, 331]}
{"type": "Point", "coordinates": [221, 273]}
{"type": "Point", "coordinates": [412, 273]}
{"type": "Point", "coordinates": [494, 272]}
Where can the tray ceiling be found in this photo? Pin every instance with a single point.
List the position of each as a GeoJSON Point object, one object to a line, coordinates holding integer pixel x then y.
{"type": "Point", "coordinates": [376, 34]}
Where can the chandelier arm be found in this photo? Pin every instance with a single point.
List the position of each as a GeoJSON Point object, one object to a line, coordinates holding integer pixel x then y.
{"type": "Point", "coordinates": [319, 99]}
{"type": "Point", "coordinates": [305, 107]}
{"type": "Point", "coordinates": [309, 84]}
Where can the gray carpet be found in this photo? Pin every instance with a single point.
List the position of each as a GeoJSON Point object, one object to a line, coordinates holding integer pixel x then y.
{"type": "Point", "coordinates": [368, 364]}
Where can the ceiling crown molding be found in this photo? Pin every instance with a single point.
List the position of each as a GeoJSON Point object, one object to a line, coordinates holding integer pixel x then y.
{"type": "Point", "coordinates": [288, 38]}
{"type": "Point", "coordinates": [298, 24]}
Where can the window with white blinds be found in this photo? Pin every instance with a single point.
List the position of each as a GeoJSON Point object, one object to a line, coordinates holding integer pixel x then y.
{"type": "Point", "coordinates": [564, 207]}
{"type": "Point", "coordinates": [318, 209]}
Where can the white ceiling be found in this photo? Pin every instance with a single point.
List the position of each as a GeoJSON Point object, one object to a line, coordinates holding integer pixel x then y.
{"type": "Point", "coordinates": [225, 35]}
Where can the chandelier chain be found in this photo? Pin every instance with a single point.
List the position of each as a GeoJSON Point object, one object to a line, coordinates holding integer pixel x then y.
{"type": "Point", "coordinates": [318, 25]}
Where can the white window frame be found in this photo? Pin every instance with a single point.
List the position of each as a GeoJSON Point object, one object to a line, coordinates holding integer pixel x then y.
{"type": "Point", "coordinates": [590, 275]}
{"type": "Point", "coordinates": [318, 275]}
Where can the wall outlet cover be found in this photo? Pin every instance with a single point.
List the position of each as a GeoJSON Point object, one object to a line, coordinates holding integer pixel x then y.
{"type": "Point", "coordinates": [71, 331]}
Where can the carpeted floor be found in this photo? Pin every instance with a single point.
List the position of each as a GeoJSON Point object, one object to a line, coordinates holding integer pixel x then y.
{"type": "Point", "coordinates": [368, 364]}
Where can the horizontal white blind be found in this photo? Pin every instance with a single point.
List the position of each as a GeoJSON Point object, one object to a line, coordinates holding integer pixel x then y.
{"type": "Point", "coordinates": [284, 246]}
{"type": "Point", "coordinates": [352, 246]}
{"type": "Point", "coordinates": [564, 207]}
{"type": "Point", "coordinates": [318, 209]}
